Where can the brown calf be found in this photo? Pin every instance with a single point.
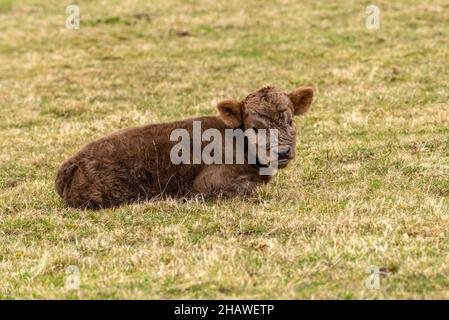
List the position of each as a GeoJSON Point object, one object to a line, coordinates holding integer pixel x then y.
{"type": "Point", "coordinates": [135, 164]}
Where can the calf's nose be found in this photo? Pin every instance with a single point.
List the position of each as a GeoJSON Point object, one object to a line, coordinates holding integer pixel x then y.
{"type": "Point", "coordinates": [284, 152]}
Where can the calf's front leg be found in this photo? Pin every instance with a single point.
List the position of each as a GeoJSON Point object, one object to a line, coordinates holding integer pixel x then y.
{"type": "Point", "coordinates": [224, 181]}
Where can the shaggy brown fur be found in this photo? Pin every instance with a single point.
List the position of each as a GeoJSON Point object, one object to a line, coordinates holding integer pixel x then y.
{"type": "Point", "coordinates": [134, 164]}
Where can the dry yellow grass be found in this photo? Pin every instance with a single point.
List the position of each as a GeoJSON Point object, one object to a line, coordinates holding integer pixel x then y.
{"type": "Point", "coordinates": [369, 186]}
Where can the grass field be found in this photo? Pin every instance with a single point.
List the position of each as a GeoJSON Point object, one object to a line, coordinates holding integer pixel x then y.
{"type": "Point", "coordinates": [369, 185]}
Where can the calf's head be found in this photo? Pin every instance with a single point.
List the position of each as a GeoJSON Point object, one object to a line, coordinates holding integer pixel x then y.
{"type": "Point", "coordinates": [269, 108]}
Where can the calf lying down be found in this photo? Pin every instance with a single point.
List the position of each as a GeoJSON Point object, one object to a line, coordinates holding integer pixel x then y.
{"type": "Point", "coordinates": [138, 163]}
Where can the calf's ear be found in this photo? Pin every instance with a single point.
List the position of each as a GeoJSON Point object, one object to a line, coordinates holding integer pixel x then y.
{"type": "Point", "coordinates": [231, 113]}
{"type": "Point", "coordinates": [302, 99]}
